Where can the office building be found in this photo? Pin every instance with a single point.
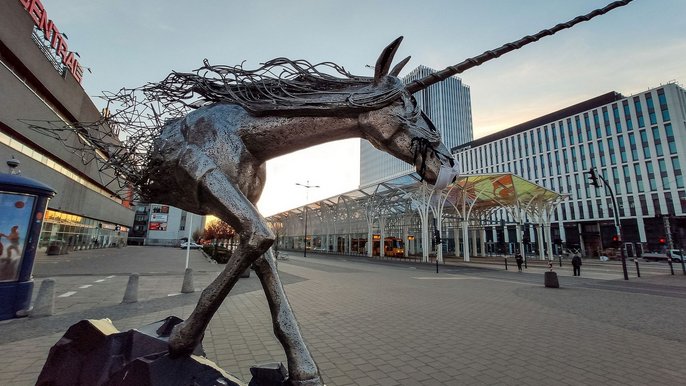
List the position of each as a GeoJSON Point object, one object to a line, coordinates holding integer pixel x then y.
{"type": "Point", "coordinates": [637, 145]}
{"type": "Point", "coordinates": [164, 225]}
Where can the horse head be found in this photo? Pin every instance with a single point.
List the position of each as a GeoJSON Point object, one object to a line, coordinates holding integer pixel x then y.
{"type": "Point", "coordinates": [402, 129]}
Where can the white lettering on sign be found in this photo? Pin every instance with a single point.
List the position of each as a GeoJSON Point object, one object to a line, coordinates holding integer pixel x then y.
{"type": "Point", "coordinates": [53, 36]}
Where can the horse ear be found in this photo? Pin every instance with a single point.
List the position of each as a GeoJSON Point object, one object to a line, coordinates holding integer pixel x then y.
{"type": "Point", "coordinates": [398, 67]}
{"type": "Point", "coordinates": [383, 64]}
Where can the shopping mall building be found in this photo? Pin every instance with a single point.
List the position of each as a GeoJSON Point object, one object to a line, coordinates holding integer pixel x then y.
{"type": "Point", "coordinates": [40, 82]}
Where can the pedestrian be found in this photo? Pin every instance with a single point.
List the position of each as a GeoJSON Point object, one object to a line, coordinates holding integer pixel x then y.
{"type": "Point", "coordinates": [519, 259]}
{"type": "Point", "coordinates": [576, 263]}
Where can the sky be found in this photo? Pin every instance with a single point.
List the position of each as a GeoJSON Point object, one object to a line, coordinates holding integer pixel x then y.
{"type": "Point", "coordinates": [127, 43]}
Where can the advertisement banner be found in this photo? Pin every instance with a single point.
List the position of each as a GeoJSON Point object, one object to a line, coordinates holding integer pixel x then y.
{"type": "Point", "coordinates": [158, 217]}
{"type": "Point", "coordinates": [14, 224]}
{"type": "Point", "coordinates": [157, 226]}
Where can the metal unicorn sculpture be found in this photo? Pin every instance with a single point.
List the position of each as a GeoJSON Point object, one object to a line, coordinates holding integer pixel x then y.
{"type": "Point", "coordinates": [212, 159]}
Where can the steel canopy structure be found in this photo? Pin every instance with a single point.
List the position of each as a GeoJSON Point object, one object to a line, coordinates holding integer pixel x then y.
{"type": "Point", "coordinates": [413, 211]}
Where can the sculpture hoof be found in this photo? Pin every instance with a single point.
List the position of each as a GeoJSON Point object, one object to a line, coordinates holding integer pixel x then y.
{"type": "Point", "coordinates": [179, 344]}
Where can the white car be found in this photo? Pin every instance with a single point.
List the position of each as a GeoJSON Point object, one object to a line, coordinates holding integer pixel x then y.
{"type": "Point", "coordinates": [193, 245]}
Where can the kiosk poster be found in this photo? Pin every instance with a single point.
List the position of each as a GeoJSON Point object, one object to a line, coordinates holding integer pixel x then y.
{"type": "Point", "coordinates": [15, 219]}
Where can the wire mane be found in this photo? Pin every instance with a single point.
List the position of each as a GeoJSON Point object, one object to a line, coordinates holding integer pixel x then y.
{"type": "Point", "coordinates": [278, 87]}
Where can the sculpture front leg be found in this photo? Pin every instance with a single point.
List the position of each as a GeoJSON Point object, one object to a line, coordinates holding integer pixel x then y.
{"type": "Point", "coordinates": [302, 369]}
{"type": "Point", "coordinates": [255, 238]}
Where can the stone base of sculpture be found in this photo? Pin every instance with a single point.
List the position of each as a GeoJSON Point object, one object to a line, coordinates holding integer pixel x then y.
{"type": "Point", "coordinates": [94, 352]}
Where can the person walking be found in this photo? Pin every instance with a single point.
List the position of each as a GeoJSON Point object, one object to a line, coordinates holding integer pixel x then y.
{"type": "Point", "coordinates": [519, 259]}
{"type": "Point", "coordinates": [576, 263]}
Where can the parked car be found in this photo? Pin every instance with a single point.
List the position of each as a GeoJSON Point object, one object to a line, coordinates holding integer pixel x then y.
{"type": "Point", "coordinates": [193, 245]}
{"type": "Point", "coordinates": [675, 253]}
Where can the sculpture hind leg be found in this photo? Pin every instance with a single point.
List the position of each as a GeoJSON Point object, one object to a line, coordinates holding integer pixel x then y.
{"type": "Point", "coordinates": [302, 369]}
{"type": "Point", "coordinates": [255, 238]}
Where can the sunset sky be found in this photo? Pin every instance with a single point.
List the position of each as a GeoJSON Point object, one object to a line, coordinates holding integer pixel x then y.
{"type": "Point", "coordinates": [127, 43]}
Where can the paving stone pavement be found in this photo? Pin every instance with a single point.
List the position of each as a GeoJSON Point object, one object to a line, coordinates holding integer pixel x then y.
{"type": "Point", "coordinates": [388, 323]}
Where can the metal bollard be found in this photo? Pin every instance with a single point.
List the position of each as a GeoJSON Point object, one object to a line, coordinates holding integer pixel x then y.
{"type": "Point", "coordinates": [131, 294]}
{"type": "Point", "coordinates": [506, 263]}
{"type": "Point", "coordinates": [45, 301]}
{"type": "Point", "coordinates": [188, 286]}
{"type": "Point", "coordinates": [638, 270]}
{"type": "Point", "coordinates": [671, 266]}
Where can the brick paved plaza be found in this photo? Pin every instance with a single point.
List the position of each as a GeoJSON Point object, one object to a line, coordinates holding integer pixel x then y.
{"type": "Point", "coordinates": [385, 323]}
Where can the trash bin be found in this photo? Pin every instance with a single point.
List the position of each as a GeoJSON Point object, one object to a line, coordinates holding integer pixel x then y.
{"type": "Point", "coordinates": [22, 203]}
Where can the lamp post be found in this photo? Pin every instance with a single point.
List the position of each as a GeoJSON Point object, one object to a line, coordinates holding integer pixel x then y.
{"type": "Point", "coordinates": [307, 199]}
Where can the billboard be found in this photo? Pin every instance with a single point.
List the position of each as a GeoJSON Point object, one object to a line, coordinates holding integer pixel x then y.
{"type": "Point", "coordinates": [14, 224]}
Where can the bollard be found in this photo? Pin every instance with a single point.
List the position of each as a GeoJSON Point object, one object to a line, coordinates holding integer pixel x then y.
{"type": "Point", "coordinates": [188, 286]}
{"type": "Point", "coordinates": [560, 258]}
{"type": "Point", "coordinates": [638, 270]}
{"type": "Point", "coordinates": [131, 294]}
{"type": "Point", "coordinates": [436, 264]}
{"type": "Point", "coordinates": [671, 266]}
{"type": "Point", "coordinates": [45, 301]}
{"type": "Point", "coordinates": [506, 263]}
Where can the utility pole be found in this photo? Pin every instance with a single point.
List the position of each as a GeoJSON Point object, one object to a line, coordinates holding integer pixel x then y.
{"type": "Point", "coordinates": [307, 203]}
{"type": "Point", "coordinates": [593, 177]}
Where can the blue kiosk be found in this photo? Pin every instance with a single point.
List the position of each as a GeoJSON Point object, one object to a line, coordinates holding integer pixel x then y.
{"type": "Point", "coordinates": [22, 207]}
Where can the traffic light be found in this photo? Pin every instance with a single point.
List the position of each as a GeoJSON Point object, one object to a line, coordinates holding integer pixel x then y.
{"type": "Point", "coordinates": [662, 241]}
{"type": "Point", "coordinates": [616, 241]}
{"type": "Point", "coordinates": [593, 177]}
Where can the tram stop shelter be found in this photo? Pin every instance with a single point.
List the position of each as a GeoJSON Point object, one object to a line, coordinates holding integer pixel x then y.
{"type": "Point", "coordinates": [411, 210]}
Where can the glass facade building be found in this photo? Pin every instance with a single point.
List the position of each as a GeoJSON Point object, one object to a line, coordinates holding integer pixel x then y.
{"type": "Point", "coordinates": [635, 143]}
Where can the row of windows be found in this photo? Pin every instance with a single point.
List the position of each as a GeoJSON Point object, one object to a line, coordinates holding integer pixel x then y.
{"type": "Point", "coordinates": [558, 135]}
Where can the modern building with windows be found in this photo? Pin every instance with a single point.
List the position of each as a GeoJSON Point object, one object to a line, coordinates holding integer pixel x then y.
{"type": "Point", "coordinates": [163, 225]}
{"type": "Point", "coordinates": [636, 143]}
{"type": "Point", "coordinates": [447, 104]}
{"type": "Point", "coordinates": [40, 81]}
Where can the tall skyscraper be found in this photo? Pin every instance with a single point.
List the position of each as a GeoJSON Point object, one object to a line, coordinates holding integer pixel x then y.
{"type": "Point", "coordinates": [449, 106]}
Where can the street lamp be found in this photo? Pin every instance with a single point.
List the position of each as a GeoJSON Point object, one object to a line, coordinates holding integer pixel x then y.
{"type": "Point", "coordinates": [307, 201]}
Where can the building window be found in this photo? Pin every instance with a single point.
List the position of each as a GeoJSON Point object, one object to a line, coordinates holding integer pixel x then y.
{"type": "Point", "coordinates": [651, 175]}
{"type": "Point", "coordinates": [663, 104]}
{"type": "Point", "coordinates": [657, 142]}
{"type": "Point", "coordinates": [645, 144]}
{"type": "Point", "coordinates": [601, 151]}
{"type": "Point", "coordinates": [627, 179]}
{"type": "Point", "coordinates": [611, 150]}
{"type": "Point", "coordinates": [570, 131]}
{"type": "Point", "coordinates": [587, 123]}
{"type": "Point", "coordinates": [670, 138]}
{"type": "Point", "coordinates": [627, 115]}
{"type": "Point", "coordinates": [582, 155]}
{"type": "Point", "coordinates": [622, 148]}
{"type": "Point", "coordinates": [615, 114]}
{"type": "Point", "coordinates": [639, 112]}
{"type": "Point", "coordinates": [615, 181]}
{"type": "Point", "coordinates": [662, 165]}
{"type": "Point", "coordinates": [632, 145]}
{"type": "Point", "coordinates": [651, 109]}
{"type": "Point", "coordinates": [596, 125]}
{"type": "Point", "coordinates": [678, 177]}
{"type": "Point", "coordinates": [639, 178]}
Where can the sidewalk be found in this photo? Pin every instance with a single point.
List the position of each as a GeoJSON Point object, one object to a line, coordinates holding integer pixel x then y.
{"type": "Point", "coordinates": [386, 324]}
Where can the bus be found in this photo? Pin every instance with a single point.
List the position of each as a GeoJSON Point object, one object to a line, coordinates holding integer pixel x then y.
{"type": "Point", "coordinates": [393, 246]}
